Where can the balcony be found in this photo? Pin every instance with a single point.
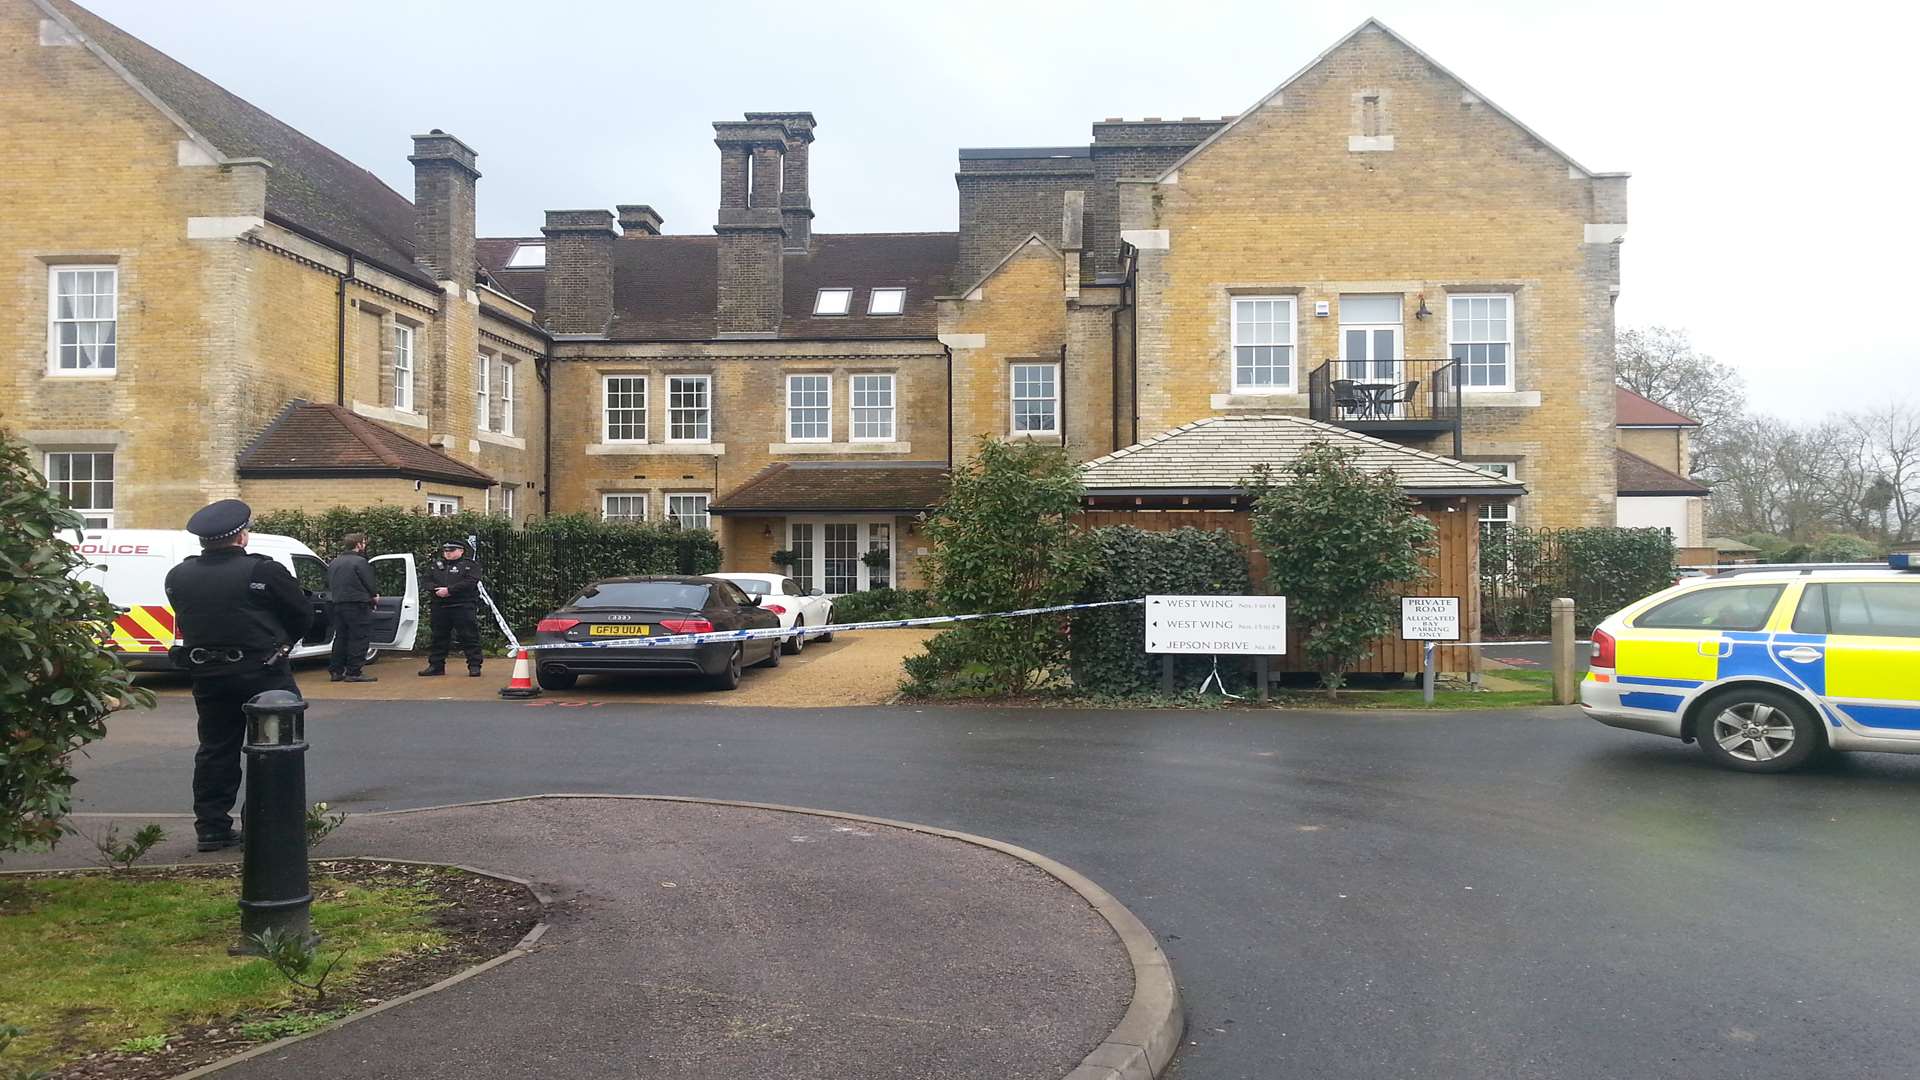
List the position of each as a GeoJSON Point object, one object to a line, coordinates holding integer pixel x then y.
{"type": "Point", "coordinates": [1391, 399]}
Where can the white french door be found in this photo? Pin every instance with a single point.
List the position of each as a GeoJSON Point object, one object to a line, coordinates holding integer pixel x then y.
{"type": "Point", "coordinates": [830, 553]}
{"type": "Point", "coordinates": [1370, 359]}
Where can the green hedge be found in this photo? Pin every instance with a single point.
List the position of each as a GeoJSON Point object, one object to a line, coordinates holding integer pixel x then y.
{"type": "Point", "coordinates": [883, 604]}
{"type": "Point", "coordinates": [1603, 569]}
{"type": "Point", "coordinates": [529, 571]}
{"type": "Point", "coordinates": [1108, 644]}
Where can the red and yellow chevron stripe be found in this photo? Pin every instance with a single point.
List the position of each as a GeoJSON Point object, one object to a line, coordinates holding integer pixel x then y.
{"type": "Point", "coordinates": [144, 628]}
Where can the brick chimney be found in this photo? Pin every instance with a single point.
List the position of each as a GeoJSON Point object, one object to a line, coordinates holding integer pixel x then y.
{"type": "Point", "coordinates": [796, 204]}
{"type": "Point", "coordinates": [639, 220]}
{"type": "Point", "coordinates": [443, 201]}
{"type": "Point", "coordinates": [751, 234]}
{"type": "Point", "coordinates": [579, 271]}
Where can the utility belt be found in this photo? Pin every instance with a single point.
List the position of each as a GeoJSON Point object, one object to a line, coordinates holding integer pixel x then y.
{"type": "Point", "coordinates": [195, 657]}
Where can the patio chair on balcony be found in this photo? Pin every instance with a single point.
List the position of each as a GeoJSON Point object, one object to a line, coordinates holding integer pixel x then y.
{"type": "Point", "coordinates": [1347, 396]}
{"type": "Point", "coordinates": [1401, 395]}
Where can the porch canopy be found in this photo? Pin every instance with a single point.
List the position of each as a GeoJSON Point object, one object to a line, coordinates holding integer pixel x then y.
{"type": "Point", "coordinates": [849, 487]}
{"type": "Point", "coordinates": [1206, 465]}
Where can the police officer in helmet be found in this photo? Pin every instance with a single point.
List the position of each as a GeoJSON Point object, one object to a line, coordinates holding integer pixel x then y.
{"type": "Point", "coordinates": [236, 617]}
{"type": "Point", "coordinates": [453, 588]}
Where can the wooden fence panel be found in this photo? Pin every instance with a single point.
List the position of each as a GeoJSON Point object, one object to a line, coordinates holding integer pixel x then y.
{"type": "Point", "coordinates": [1453, 570]}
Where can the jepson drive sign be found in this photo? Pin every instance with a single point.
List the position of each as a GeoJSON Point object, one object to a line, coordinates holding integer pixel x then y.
{"type": "Point", "coordinates": [1222, 625]}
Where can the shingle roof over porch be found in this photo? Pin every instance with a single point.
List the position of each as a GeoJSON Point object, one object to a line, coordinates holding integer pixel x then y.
{"type": "Point", "coordinates": [1218, 455]}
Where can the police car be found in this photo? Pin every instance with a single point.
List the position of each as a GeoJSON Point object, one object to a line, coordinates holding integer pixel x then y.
{"type": "Point", "coordinates": [1767, 670]}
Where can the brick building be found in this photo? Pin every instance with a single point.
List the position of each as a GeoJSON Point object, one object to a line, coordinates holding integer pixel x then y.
{"type": "Point", "coordinates": [1372, 245]}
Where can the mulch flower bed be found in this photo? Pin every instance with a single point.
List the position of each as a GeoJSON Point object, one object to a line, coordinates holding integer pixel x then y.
{"type": "Point", "coordinates": [479, 917]}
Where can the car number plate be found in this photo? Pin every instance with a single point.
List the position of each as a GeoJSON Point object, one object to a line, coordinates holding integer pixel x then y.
{"type": "Point", "coordinates": [619, 631]}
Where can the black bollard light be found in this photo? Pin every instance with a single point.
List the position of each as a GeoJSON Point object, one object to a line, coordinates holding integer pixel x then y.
{"type": "Point", "coordinates": [274, 894]}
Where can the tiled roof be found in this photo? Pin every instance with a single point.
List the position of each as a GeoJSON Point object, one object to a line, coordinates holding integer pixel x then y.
{"type": "Point", "coordinates": [309, 439]}
{"type": "Point", "coordinates": [896, 486]}
{"type": "Point", "coordinates": [1632, 410]}
{"type": "Point", "coordinates": [1638, 476]}
{"type": "Point", "coordinates": [1220, 453]}
{"type": "Point", "coordinates": [310, 187]}
{"type": "Point", "coordinates": [665, 288]}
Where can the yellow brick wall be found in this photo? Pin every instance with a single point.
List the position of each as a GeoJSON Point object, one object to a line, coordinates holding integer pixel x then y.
{"type": "Point", "coordinates": [215, 335]}
{"type": "Point", "coordinates": [1018, 314]}
{"type": "Point", "coordinates": [1464, 202]}
{"type": "Point", "coordinates": [1665, 447]}
{"type": "Point", "coordinates": [748, 419]}
{"type": "Point", "coordinates": [267, 496]}
{"type": "Point", "coordinates": [92, 175]}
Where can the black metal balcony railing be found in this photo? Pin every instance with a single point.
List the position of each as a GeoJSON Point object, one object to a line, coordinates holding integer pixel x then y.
{"type": "Point", "coordinates": [1387, 397]}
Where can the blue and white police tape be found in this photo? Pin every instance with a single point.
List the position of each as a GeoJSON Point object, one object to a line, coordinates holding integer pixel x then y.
{"type": "Point", "coordinates": [763, 633]}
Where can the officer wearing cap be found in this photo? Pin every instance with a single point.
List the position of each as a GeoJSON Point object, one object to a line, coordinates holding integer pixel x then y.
{"type": "Point", "coordinates": [453, 588]}
{"type": "Point", "coordinates": [236, 617]}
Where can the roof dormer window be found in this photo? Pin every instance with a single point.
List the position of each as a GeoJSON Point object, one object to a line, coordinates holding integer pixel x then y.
{"type": "Point", "coordinates": [886, 301]}
{"type": "Point", "coordinates": [832, 301]}
{"type": "Point", "coordinates": [528, 257]}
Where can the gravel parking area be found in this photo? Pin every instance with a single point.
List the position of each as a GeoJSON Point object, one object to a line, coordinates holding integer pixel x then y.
{"type": "Point", "coordinates": [852, 669]}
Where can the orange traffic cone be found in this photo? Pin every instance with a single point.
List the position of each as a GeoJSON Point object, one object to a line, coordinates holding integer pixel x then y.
{"type": "Point", "coordinates": [521, 685]}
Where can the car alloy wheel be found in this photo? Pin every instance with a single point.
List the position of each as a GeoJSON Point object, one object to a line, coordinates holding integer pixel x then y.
{"type": "Point", "coordinates": [1758, 729]}
{"type": "Point", "coordinates": [792, 645]}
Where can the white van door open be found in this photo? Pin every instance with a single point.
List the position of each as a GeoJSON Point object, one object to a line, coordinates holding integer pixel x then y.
{"type": "Point", "coordinates": [396, 615]}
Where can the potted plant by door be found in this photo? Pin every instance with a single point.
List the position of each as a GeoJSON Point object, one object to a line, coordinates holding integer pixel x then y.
{"type": "Point", "coordinates": [876, 560]}
{"type": "Point", "coordinates": [784, 559]}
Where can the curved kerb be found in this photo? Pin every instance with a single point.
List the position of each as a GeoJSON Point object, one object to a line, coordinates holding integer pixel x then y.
{"type": "Point", "coordinates": [1138, 1048]}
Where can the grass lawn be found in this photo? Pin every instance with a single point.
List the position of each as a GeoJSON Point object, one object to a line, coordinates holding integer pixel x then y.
{"type": "Point", "coordinates": [1504, 690]}
{"type": "Point", "coordinates": [89, 962]}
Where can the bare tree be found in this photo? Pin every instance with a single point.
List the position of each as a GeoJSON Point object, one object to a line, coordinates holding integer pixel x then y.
{"type": "Point", "coordinates": [1660, 363]}
{"type": "Point", "coordinates": [1889, 459]}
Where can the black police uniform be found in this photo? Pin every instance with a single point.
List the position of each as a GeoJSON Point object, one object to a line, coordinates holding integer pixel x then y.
{"type": "Point", "coordinates": [235, 615]}
{"type": "Point", "coordinates": [454, 614]}
{"type": "Point", "coordinates": [350, 593]}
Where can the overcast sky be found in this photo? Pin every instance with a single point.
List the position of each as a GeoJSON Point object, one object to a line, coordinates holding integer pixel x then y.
{"type": "Point", "coordinates": [1771, 145]}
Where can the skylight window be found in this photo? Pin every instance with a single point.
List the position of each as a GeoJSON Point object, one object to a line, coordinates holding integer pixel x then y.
{"type": "Point", "coordinates": [528, 257]}
{"type": "Point", "coordinates": [832, 301]}
{"type": "Point", "coordinates": [886, 301]}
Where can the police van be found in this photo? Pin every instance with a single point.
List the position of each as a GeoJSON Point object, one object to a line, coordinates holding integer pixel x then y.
{"type": "Point", "coordinates": [1767, 670]}
{"type": "Point", "coordinates": [131, 566]}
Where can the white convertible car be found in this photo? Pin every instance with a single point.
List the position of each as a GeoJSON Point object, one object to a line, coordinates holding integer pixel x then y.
{"type": "Point", "coordinates": [797, 609]}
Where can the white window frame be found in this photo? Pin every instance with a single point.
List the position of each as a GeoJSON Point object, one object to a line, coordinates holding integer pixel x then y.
{"type": "Point", "coordinates": [505, 389]}
{"type": "Point", "coordinates": [403, 339]}
{"type": "Point", "coordinates": [483, 392]}
{"type": "Point", "coordinates": [1503, 514]}
{"type": "Point", "coordinates": [1453, 339]}
{"type": "Point", "coordinates": [443, 505]}
{"type": "Point", "coordinates": [509, 500]}
{"type": "Point", "coordinates": [606, 409]}
{"type": "Point", "coordinates": [638, 499]}
{"type": "Point", "coordinates": [1013, 401]}
{"type": "Point", "coordinates": [813, 575]}
{"type": "Point", "coordinates": [54, 321]}
{"type": "Point", "coordinates": [1292, 345]}
{"type": "Point", "coordinates": [792, 424]}
{"type": "Point", "coordinates": [844, 295]}
{"type": "Point", "coordinates": [889, 410]}
{"type": "Point", "coordinates": [102, 514]}
{"type": "Point", "coordinates": [704, 501]}
{"type": "Point", "coordinates": [705, 410]}
{"type": "Point", "coordinates": [899, 305]}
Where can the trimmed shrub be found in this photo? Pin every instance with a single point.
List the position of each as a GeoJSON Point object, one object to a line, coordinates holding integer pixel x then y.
{"type": "Point", "coordinates": [57, 683]}
{"type": "Point", "coordinates": [1603, 569]}
{"type": "Point", "coordinates": [1108, 644]}
{"type": "Point", "coordinates": [1841, 548]}
{"type": "Point", "coordinates": [883, 604]}
{"type": "Point", "coordinates": [528, 571]}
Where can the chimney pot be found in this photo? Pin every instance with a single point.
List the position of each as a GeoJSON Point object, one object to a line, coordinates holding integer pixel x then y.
{"type": "Point", "coordinates": [579, 271]}
{"type": "Point", "coordinates": [639, 219]}
{"type": "Point", "coordinates": [444, 176]}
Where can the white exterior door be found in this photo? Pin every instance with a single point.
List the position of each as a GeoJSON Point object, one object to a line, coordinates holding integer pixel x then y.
{"type": "Point", "coordinates": [829, 553]}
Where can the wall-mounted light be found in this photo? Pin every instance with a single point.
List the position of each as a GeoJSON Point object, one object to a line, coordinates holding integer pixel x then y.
{"type": "Point", "coordinates": [1422, 312]}
{"type": "Point", "coordinates": [767, 530]}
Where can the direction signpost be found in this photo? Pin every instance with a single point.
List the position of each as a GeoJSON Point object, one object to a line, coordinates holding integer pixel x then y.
{"type": "Point", "coordinates": [1429, 619]}
{"type": "Point", "coordinates": [1213, 625]}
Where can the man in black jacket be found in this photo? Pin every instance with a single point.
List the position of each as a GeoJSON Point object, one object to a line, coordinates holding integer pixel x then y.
{"type": "Point", "coordinates": [350, 596]}
{"type": "Point", "coordinates": [453, 588]}
{"type": "Point", "coordinates": [236, 617]}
